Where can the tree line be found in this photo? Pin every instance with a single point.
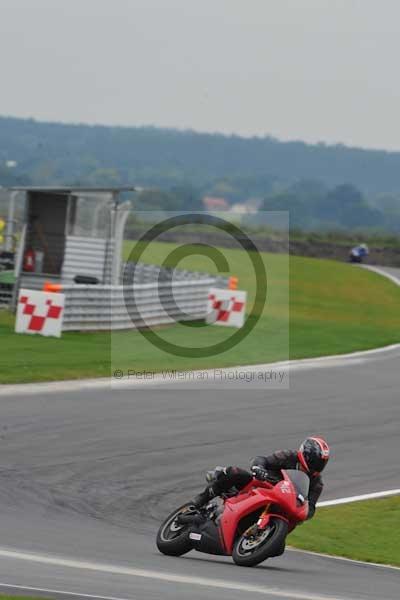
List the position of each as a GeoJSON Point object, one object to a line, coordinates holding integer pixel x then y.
{"type": "Point", "coordinates": [321, 186]}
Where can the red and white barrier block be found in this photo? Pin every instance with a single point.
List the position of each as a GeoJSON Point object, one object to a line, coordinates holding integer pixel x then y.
{"type": "Point", "coordinates": [40, 312]}
{"type": "Point", "coordinates": [226, 307]}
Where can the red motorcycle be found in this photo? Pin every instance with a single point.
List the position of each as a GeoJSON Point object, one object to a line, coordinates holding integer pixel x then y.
{"type": "Point", "coordinates": [250, 526]}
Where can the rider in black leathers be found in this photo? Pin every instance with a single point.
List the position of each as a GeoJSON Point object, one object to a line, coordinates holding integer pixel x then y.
{"type": "Point", "coordinates": [311, 458]}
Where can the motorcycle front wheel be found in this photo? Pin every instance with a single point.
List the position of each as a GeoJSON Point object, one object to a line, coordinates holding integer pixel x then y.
{"type": "Point", "coordinates": [252, 550]}
{"type": "Point", "coordinates": [173, 538]}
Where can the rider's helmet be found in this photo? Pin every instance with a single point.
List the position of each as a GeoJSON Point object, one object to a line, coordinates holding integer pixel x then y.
{"type": "Point", "coordinates": [313, 455]}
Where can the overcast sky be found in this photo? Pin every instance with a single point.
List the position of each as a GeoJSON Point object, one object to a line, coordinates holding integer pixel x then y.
{"type": "Point", "coordinates": [317, 70]}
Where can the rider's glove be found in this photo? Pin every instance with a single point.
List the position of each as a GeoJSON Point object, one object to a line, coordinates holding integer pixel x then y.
{"type": "Point", "coordinates": [260, 473]}
{"type": "Point", "coordinates": [215, 474]}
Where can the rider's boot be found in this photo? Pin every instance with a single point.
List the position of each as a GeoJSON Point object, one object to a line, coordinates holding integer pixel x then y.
{"type": "Point", "coordinates": [201, 499]}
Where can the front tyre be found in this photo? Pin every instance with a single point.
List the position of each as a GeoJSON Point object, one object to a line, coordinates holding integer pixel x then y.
{"type": "Point", "coordinates": [254, 549]}
{"type": "Point", "coordinates": [173, 538]}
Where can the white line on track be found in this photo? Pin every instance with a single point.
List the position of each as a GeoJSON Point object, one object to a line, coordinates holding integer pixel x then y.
{"type": "Point", "coordinates": [80, 385]}
{"type": "Point", "coordinates": [160, 576]}
{"type": "Point", "coordinates": [343, 559]}
{"type": "Point", "coordinates": [379, 271]}
{"type": "Point", "coordinates": [349, 499]}
{"type": "Point", "coordinates": [60, 592]}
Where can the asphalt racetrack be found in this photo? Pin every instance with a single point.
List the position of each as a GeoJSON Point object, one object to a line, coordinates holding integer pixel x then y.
{"type": "Point", "coordinates": [86, 478]}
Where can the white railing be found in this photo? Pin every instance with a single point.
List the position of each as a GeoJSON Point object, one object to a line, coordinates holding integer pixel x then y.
{"type": "Point", "coordinates": [5, 296]}
{"type": "Point", "coordinates": [106, 307]}
{"type": "Point", "coordinates": [147, 273]}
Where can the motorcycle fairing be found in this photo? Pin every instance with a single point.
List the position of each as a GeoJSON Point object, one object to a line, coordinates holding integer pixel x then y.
{"type": "Point", "coordinates": [207, 538]}
{"type": "Point", "coordinates": [255, 496]}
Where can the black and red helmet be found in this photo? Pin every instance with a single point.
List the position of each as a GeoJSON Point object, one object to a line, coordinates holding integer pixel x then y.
{"type": "Point", "coordinates": [313, 455]}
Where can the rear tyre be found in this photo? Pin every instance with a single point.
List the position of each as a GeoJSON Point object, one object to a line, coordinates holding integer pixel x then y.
{"type": "Point", "coordinates": [250, 551]}
{"type": "Point", "coordinates": [172, 538]}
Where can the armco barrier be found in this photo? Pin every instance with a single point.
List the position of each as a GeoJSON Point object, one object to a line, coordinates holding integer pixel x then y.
{"type": "Point", "coordinates": [146, 273]}
{"type": "Point", "coordinates": [102, 307]}
{"type": "Point", "coordinates": [5, 296]}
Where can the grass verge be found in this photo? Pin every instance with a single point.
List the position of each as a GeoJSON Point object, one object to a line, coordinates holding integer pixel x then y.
{"type": "Point", "coordinates": [327, 307]}
{"type": "Point", "coordinates": [366, 531]}
{"type": "Point", "coordinates": [7, 597]}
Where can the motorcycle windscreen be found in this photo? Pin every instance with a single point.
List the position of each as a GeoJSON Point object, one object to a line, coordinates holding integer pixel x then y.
{"type": "Point", "coordinates": [300, 480]}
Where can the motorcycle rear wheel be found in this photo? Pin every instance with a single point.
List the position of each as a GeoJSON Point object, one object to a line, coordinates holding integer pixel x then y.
{"type": "Point", "coordinates": [173, 539]}
{"type": "Point", "coordinates": [250, 552]}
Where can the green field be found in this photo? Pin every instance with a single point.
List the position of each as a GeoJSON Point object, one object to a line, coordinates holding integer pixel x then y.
{"type": "Point", "coordinates": [367, 531]}
{"type": "Point", "coordinates": [313, 308]}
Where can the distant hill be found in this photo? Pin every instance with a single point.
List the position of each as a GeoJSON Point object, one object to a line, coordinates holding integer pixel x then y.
{"type": "Point", "coordinates": [58, 153]}
{"type": "Point", "coordinates": [322, 187]}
